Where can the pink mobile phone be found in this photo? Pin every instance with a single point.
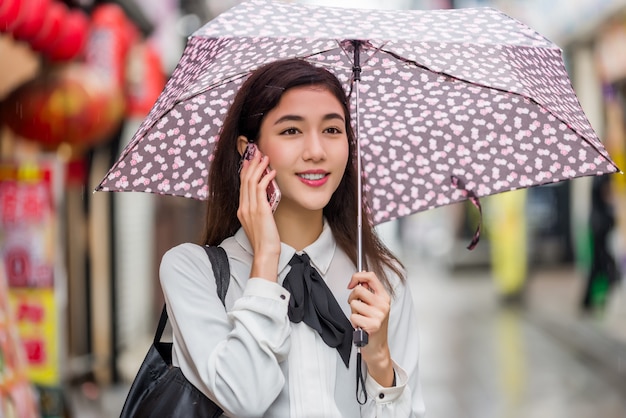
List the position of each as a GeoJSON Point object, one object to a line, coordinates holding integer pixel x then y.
{"type": "Point", "coordinates": [273, 192]}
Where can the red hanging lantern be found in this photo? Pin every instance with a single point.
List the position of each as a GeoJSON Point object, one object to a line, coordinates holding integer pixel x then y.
{"type": "Point", "coordinates": [71, 39]}
{"type": "Point", "coordinates": [9, 12]}
{"type": "Point", "coordinates": [31, 19]}
{"type": "Point", "coordinates": [70, 103]}
{"type": "Point", "coordinates": [56, 14]}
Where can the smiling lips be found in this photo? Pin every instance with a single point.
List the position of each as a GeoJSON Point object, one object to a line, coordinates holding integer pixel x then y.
{"type": "Point", "coordinates": [314, 178]}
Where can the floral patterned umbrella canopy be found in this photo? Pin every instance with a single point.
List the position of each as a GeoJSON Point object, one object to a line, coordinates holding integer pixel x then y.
{"type": "Point", "coordinates": [451, 103]}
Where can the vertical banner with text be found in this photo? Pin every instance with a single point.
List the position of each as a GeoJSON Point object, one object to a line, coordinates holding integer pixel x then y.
{"type": "Point", "coordinates": [29, 246]}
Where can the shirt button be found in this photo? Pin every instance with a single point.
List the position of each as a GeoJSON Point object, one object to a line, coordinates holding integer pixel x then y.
{"type": "Point", "coordinates": [283, 297]}
{"type": "Point", "coordinates": [381, 396]}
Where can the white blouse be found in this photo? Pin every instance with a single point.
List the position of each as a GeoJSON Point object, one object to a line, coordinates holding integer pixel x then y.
{"type": "Point", "coordinates": [253, 362]}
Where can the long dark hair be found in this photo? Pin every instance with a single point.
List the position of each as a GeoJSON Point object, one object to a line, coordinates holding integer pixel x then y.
{"type": "Point", "coordinates": [258, 95]}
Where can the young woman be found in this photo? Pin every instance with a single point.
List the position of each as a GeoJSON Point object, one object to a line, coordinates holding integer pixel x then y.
{"type": "Point", "coordinates": [251, 359]}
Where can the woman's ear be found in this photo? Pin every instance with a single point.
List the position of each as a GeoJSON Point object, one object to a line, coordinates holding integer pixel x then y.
{"type": "Point", "coordinates": [242, 143]}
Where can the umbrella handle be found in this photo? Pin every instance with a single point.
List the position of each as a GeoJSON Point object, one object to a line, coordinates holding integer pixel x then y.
{"type": "Point", "coordinates": [359, 338]}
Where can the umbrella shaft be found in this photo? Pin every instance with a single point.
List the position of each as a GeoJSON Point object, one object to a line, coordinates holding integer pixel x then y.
{"type": "Point", "coordinates": [359, 215]}
{"type": "Point", "coordinates": [356, 70]}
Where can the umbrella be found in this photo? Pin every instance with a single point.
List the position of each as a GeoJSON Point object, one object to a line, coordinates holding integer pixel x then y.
{"type": "Point", "coordinates": [448, 104]}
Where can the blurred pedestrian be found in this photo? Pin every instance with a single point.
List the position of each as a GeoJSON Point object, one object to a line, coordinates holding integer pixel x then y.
{"type": "Point", "coordinates": [283, 346]}
{"type": "Point", "coordinates": [603, 272]}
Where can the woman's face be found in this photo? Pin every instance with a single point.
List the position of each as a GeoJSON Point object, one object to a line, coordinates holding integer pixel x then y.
{"type": "Point", "coordinates": [305, 138]}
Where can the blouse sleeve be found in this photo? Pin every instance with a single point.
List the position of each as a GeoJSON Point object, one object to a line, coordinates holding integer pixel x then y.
{"type": "Point", "coordinates": [229, 356]}
{"type": "Point", "coordinates": [405, 399]}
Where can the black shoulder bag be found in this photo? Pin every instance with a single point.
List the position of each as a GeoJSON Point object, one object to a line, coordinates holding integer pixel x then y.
{"type": "Point", "coordinates": [160, 389]}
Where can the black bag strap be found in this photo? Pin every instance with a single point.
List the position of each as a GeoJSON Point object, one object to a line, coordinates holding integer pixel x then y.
{"type": "Point", "coordinates": [221, 272]}
{"type": "Point", "coordinates": [161, 326]}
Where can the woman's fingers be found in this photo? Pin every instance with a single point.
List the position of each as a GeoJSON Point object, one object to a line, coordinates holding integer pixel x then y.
{"type": "Point", "coordinates": [247, 183]}
{"type": "Point", "coordinates": [369, 301]}
{"type": "Point", "coordinates": [367, 279]}
{"type": "Point", "coordinates": [256, 217]}
{"type": "Point", "coordinates": [253, 196]}
{"type": "Point", "coordinates": [255, 182]}
{"type": "Point", "coordinates": [375, 308]}
{"type": "Point", "coordinates": [367, 316]}
{"type": "Point", "coordinates": [366, 286]}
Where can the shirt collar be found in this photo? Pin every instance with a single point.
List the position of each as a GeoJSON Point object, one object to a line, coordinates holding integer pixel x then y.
{"type": "Point", "coordinates": [321, 251]}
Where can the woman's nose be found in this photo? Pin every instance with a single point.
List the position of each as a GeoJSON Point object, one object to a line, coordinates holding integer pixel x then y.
{"type": "Point", "coordinates": [314, 148]}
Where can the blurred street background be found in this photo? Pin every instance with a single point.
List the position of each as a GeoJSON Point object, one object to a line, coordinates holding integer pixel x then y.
{"type": "Point", "coordinates": [530, 324]}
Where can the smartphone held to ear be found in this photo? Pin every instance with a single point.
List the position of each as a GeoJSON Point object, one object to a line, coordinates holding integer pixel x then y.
{"type": "Point", "coordinates": [273, 192]}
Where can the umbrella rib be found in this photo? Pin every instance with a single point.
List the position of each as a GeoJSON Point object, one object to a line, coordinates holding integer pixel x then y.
{"type": "Point", "coordinates": [239, 75]}
{"type": "Point", "coordinates": [135, 141]}
{"type": "Point", "coordinates": [225, 80]}
{"type": "Point", "coordinates": [450, 77]}
{"type": "Point", "coordinates": [446, 75]}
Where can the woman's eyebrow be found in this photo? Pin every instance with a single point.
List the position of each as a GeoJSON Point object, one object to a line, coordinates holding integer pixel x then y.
{"type": "Point", "coordinates": [289, 118]}
{"type": "Point", "coordinates": [333, 116]}
{"type": "Point", "coordinates": [296, 118]}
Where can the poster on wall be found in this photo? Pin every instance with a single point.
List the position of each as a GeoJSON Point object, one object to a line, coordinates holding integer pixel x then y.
{"type": "Point", "coordinates": [29, 249]}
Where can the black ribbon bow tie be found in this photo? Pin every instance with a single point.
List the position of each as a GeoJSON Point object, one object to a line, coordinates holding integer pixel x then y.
{"type": "Point", "coordinates": [312, 302]}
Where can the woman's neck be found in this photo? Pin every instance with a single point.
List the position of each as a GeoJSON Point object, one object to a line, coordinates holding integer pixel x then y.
{"type": "Point", "coordinates": [299, 229]}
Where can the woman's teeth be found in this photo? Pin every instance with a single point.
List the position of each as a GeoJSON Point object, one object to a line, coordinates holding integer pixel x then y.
{"type": "Point", "coordinates": [307, 176]}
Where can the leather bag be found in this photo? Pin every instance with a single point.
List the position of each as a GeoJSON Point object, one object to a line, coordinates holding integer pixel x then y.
{"type": "Point", "coordinates": [160, 389]}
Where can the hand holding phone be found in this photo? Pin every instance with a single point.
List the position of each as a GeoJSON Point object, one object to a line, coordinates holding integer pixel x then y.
{"type": "Point", "coordinates": [273, 192]}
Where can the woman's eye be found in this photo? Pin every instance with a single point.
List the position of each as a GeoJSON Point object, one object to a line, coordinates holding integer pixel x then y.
{"type": "Point", "coordinates": [333, 131]}
{"type": "Point", "coordinates": [290, 131]}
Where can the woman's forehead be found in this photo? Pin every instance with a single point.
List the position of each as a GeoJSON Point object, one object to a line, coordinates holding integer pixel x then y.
{"type": "Point", "coordinates": [308, 100]}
